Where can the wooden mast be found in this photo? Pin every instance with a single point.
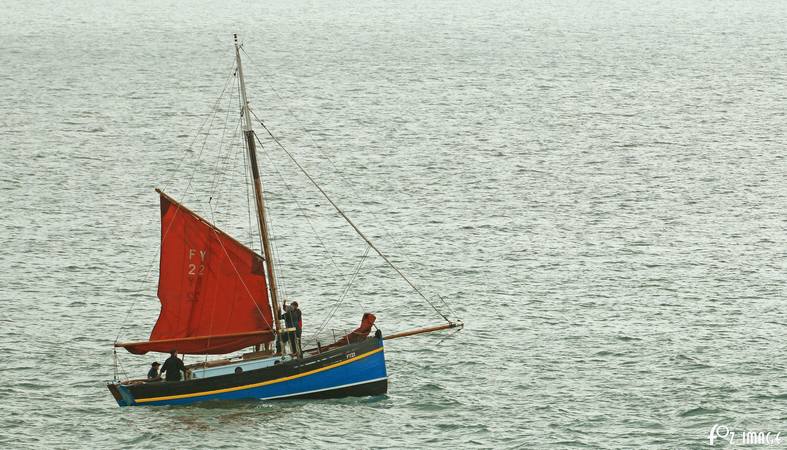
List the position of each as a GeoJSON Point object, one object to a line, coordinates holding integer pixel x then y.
{"type": "Point", "coordinates": [248, 131]}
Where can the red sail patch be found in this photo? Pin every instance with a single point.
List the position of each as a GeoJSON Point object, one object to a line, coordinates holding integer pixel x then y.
{"type": "Point", "coordinates": [210, 286]}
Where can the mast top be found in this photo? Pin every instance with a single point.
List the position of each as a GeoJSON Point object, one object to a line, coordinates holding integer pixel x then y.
{"type": "Point", "coordinates": [246, 110]}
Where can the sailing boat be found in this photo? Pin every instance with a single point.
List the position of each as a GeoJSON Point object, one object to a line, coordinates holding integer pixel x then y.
{"type": "Point", "coordinates": [219, 296]}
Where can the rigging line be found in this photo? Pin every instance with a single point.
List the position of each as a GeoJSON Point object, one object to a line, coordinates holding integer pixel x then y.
{"type": "Point", "coordinates": [134, 303]}
{"type": "Point", "coordinates": [221, 175]}
{"type": "Point", "coordinates": [150, 270]}
{"type": "Point", "coordinates": [458, 329]}
{"type": "Point", "coordinates": [278, 275]}
{"type": "Point", "coordinates": [447, 305]}
{"type": "Point", "coordinates": [152, 265]}
{"type": "Point", "coordinates": [316, 234]}
{"type": "Point", "coordinates": [272, 242]}
{"type": "Point", "coordinates": [229, 195]}
{"type": "Point", "coordinates": [280, 278]}
{"type": "Point", "coordinates": [215, 222]}
{"type": "Point", "coordinates": [247, 179]}
{"type": "Point", "coordinates": [202, 150]}
{"type": "Point", "coordinates": [207, 134]}
{"type": "Point", "coordinates": [346, 290]}
{"type": "Point", "coordinates": [390, 234]}
{"type": "Point", "coordinates": [241, 279]}
{"type": "Point", "coordinates": [303, 210]}
{"type": "Point", "coordinates": [180, 163]}
{"type": "Point", "coordinates": [122, 368]}
{"type": "Point", "coordinates": [347, 219]}
{"type": "Point", "coordinates": [213, 308]}
{"type": "Point", "coordinates": [185, 152]}
{"type": "Point", "coordinates": [220, 191]}
{"type": "Point", "coordinates": [186, 191]}
{"type": "Point", "coordinates": [226, 166]}
{"type": "Point", "coordinates": [196, 135]}
{"type": "Point", "coordinates": [221, 144]}
{"type": "Point", "coordinates": [224, 186]}
{"type": "Point", "coordinates": [224, 177]}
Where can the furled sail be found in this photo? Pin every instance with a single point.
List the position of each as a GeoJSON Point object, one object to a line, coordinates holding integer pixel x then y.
{"type": "Point", "coordinates": [212, 289]}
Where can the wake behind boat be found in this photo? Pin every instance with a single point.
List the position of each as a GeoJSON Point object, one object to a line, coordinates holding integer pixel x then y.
{"type": "Point", "coordinates": [218, 296]}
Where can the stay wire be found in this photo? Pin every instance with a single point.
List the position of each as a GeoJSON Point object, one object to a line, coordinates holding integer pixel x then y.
{"type": "Point", "coordinates": [279, 276]}
{"type": "Point", "coordinates": [180, 163]}
{"type": "Point", "coordinates": [281, 282]}
{"type": "Point", "coordinates": [314, 230]}
{"type": "Point", "coordinates": [217, 172]}
{"type": "Point", "coordinates": [224, 184]}
{"type": "Point", "coordinates": [199, 130]}
{"type": "Point", "coordinates": [247, 177]}
{"type": "Point", "coordinates": [347, 219]}
{"type": "Point", "coordinates": [344, 293]}
{"type": "Point", "coordinates": [305, 213]}
{"type": "Point", "coordinates": [390, 234]}
{"type": "Point", "coordinates": [209, 121]}
{"type": "Point", "coordinates": [458, 329]}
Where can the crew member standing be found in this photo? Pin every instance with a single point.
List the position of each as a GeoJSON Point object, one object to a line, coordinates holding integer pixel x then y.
{"type": "Point", "coordinates": [297, 321]}
{"type": "Point", "coordinates": [173, 366]}
{"type": "Point", "coordinates": [292, 319]}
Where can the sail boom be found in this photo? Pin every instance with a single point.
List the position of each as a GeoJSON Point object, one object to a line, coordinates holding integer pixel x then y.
{"type": "Point", "coordinates": [216, 342]}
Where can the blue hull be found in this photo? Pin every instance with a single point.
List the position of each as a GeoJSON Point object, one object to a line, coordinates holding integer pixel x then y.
{"type": "Point", "coordinates": [355, 369]}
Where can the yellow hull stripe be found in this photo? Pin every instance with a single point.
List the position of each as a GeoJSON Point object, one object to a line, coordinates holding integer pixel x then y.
{"type": "Point", "coordinates": [262, 383]}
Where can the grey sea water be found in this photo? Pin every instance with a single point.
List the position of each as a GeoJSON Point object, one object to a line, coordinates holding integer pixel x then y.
{"type": "Point", "coordinates": [598, 188]}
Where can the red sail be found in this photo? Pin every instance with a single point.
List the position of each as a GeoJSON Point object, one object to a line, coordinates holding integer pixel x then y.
{"type": "Point", "coordinates": [212, 289]}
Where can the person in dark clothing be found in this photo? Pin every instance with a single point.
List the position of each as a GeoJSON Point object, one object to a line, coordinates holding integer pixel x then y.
{"type": "Point", "coordinates": [281, 340]}
{"type": "Point", "coordinates": [297, 321]}
{"type": "Point", "coordinates": [292, 319]}
{"type": "Point", "coordinates": [173, 366]}
{"type": "Point", "coordinates": [153, 372]}
{"type": "Point", "coordinates": [285, 314]}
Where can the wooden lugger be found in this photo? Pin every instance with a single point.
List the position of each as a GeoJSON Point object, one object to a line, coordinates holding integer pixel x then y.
{"type": "Point", "coordinates": [353, 370]}
{"type": "Point", "coordinates": [219, 296]}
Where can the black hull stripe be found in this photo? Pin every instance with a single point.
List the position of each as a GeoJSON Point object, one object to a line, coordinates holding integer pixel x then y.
{"type": "Point", "coordinates": [333, 388]}
{"type": "Point", "coordinates": [361, 390]}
